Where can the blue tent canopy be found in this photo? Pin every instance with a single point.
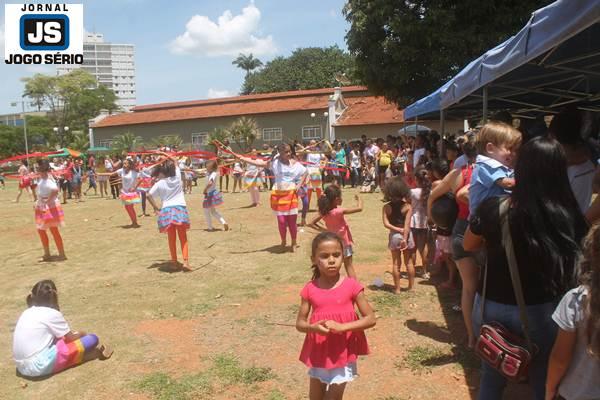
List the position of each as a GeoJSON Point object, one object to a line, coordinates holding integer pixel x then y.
{"type": "Point", "coordinates": [553, 60]}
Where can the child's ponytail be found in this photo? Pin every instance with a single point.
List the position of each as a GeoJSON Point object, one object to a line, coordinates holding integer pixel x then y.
{"type": "Point", "coordinates": [326, 202]}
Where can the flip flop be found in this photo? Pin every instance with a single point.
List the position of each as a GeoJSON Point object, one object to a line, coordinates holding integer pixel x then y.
{"type": "Point", "coordinates": [105, 352]}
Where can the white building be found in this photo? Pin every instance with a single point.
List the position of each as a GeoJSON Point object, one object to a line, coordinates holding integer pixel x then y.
{"type": "Point", "coordinates": [112, 64]}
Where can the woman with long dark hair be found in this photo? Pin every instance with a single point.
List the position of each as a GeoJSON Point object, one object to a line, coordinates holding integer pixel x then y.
{"type": "Point", "coordinates": [546, 226]}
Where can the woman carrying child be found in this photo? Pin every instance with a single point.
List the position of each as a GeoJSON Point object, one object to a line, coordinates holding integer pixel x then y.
{"type": "Point", "coordinates": [396, 215]}
{"type": "Point", "coordinates": [334, 333]}
{"type": "Point", "coordinates": [333, 214]}
{"type": "Point", "coordinates": [43, 342]}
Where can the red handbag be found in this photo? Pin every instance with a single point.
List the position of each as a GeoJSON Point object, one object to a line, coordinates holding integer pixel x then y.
{"type": "Point", "coordinates": [506, 352]}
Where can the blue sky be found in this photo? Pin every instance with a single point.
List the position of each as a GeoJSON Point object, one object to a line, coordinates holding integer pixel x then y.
{"type": "Point", "coordinates": [184, 48]}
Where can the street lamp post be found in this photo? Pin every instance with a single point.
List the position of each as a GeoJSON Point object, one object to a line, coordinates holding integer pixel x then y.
{"type": "Point", "coordinates": [319, 119]}
{"type": "Point", "coordinates": [60, 131]}
{"type": "Point", "coordinates": [14, 104]}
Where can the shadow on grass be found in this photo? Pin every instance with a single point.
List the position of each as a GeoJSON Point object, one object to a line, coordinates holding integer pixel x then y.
{"type": "Point", "coordinates": [242, 207]}
{"type": "Point", "coordinates": [275, 249]}
{"type": "Point", "coordinates": [431, 330]}
{"type": "Point", "coordinates": [166, 266]}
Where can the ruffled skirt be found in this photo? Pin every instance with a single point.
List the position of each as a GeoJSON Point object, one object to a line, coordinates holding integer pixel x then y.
{"type": "Point", "coordinates": [173, 216]}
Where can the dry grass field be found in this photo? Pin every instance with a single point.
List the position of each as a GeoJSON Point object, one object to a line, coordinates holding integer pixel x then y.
{"type": "Point", "coordinates": [221, 331]}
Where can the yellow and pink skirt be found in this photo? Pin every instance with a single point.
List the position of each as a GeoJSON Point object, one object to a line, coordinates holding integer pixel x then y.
{"type": "Point", "coordinates": [314, 175]}
{"type": "Point", "coordinates": [284, 202]}
{"type": "Point", "coordinates": [129, 198]}
{"type": "Point", "coordinates": [49, 215]}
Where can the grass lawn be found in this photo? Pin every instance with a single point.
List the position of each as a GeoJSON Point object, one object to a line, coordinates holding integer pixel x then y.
{"type": "Point", "coordinates": [219, 332]}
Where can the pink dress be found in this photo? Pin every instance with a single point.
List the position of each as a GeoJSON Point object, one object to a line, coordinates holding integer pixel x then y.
{"type": "Point", "coordinates": [336, 223]}
{"type": "Point", "coordinates": [333, 350]}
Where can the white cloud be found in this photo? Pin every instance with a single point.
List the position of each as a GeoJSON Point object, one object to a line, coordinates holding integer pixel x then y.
{"type": "Point", "coordinates": [216, 93]}
{"type": "Point", "coordinates": [229, 36]}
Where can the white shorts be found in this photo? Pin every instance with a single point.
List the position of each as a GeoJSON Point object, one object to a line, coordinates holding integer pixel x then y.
{"type": "Point", "coordinates": [334, 376]}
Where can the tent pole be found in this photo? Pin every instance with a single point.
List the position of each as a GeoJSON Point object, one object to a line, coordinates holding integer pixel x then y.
{"type": "Point", "coordinates": [442, 123]}
{"type": "Point", "coordinates": [485, 104]}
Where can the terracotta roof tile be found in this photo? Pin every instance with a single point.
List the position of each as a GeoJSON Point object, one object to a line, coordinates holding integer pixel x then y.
{"type": "Point", "coordinates": [369, 110]}
{"type": "Point", "coordinates": [362, 110]}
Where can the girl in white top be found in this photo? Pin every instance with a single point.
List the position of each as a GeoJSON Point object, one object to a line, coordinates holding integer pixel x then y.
{"type": "Point", "coordinates": [289, 175]}
{"type": "Point", "coordinates": [418, 218]}
{"type": "Point", "coordinates": [314, 161]}
{"type": "Point", "coordinates": [173, 216]}
{"type": "Point", "coordinates": [212, 197]}
{"type": "Point", "coordinates": [253, 180]}
{"type": "Point", "coordinates": [355, 165]}
{"type": "Point", "coordinates": [238, 171]}
{"type": "Point", "coordinates": [48, 212]}
{"type": "Point", "coordinates": [43, 342]}
{"type": "Point", "coordinates": [129, 195]}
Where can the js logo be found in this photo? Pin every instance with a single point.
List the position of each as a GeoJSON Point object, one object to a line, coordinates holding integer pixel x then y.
{"type": "Point", "coordinates": [44, 32]}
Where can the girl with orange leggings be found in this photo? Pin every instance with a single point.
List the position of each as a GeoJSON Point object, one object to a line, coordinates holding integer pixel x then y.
{"type": "Point", "coordinates": [48, 211]}
{"type": "Point", "coordinates": [173, 217]}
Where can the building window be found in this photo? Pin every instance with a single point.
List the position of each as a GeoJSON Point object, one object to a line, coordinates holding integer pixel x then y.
{"type": "Point", "coordinates": [272, 134]}
{"type": "Point", "coordinates": [311, 132]}
{"type": "Point", "coordinates": [105, 143]}
{"type": "Point", "coordinates": [199, 139]}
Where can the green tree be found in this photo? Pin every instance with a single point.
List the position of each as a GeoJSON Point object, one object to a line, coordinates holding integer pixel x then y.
{"type": "Point", "coordinates": [306, 68]}
{"type": "Point", "coordinates": [243, 132]}
{"type": "Point", "coordinates": [72, 99]}
{"type": "Point", "coordinates": [406, 49]}
{"type": "Point", "coordinates": [247, 62]}
{"type": "Point", "coordinates": [11, 141]}
{"type": "Point", "coordinates": [126, 142]}
{"type": "Point", "coordinates": [167, 140]}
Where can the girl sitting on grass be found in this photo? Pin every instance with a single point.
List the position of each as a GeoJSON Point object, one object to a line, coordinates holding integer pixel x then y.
{"type": "Point", "coordinates": [43, 342]}
{"type": "Point", "coordinates": [332, 213]}
{"type": "Point", "coordinates": [396, 215]}
{"type": "Point", "coordinates": [334, 333]}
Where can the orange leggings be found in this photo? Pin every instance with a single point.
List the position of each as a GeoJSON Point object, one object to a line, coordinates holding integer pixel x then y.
{"type": "Point", "coordinates": [172, 233]}
{"type": "Point", "coordinates": [57, 239]}
{"type": "Point", "coordinates": [131, 211]}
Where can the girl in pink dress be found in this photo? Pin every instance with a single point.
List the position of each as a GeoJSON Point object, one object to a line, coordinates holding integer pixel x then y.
{"type": "Point", "coordinates": [334, 333]}
{"type": "Point", "coordinates": [333, 215]}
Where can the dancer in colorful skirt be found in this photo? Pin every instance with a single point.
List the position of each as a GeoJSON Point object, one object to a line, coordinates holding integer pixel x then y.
{"type": "Point", "coordinates": [314, 160]}
{"type": "Point", "coordinates": [43, 342]}
{"type": "Point", "coordinates": [173, 216]}
{"type": "Point", "coordinates": [143, 186]}
{"type": "Point", "coordinates": [212, 197]}
{"type": "Point", "coordinates": [253, 180]}
{"type": "Point", "coordinates": [289, 175]}
{"type": "Point", "coordinates": [129, 195]}
{"type": "Point", "coordinates": [48, 211]}
{"type": "Point", "coordinates": [24, 181]}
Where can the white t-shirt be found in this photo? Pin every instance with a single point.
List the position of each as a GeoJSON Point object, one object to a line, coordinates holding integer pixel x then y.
{"type": "Point", "coordinates": [169, 190]}
{"type": "Point", "coordinates": [129, 179]}
{"type": "Point", "coordinates": [355, 159]}
{"type": "Point", "coordinates": [417, 156]}
{"type": "Point", "coordinates": [287, 176]}
{"type": "Point", "coordinates": [45, 187]}
{"type": "Point", "coordinates": [211, 179]}
{"type": "Point", "coordinates": [36, 330]}
{"type": "Point", "coordinates": [581, 379]}
{"type": "Point", "coordinates": [372, 151]}
{"type": "Point", "coordinates": [419, 216]}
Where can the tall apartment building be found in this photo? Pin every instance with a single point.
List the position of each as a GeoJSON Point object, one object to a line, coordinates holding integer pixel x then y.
{"type": "Point", "coordinates": [112, 64]}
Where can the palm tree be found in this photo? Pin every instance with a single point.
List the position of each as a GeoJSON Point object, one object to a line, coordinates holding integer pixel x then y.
{"type": "Point", "coordinates": [219, 134]}
{"type": "Point", "coordinates": [247, 63]}
{"type": "Point", "coordinates": [126, 142]}
{"type": "Point", "coordinates": [80, 141]}
{"type": "Point", "coordinates": [167, 140]}
{"type": "Point", "coordinates": [243, 131]}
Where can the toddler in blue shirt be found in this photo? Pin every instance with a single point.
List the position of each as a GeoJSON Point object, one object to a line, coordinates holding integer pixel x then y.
{"type": "Point", "coordinates": [493, 174]}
